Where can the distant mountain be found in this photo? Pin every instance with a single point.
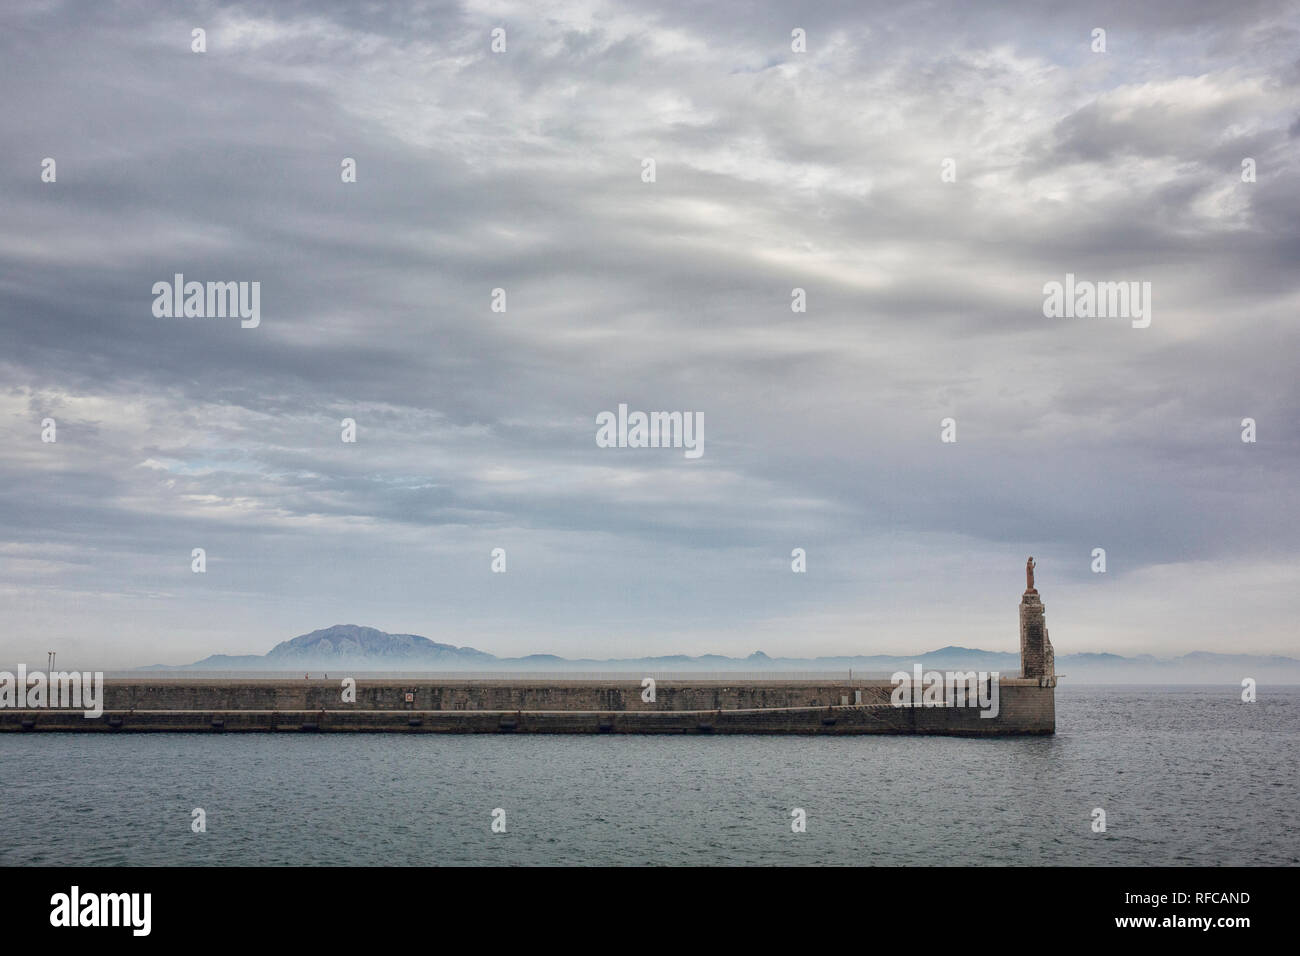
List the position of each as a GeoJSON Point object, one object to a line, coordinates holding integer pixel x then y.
{"type": "Point", "coordinates": [350, 645]}
{"type": "Point", "coordinates": [367, 648]}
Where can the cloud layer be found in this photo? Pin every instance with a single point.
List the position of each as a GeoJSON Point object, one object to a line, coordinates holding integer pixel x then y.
{"type": "Point", "coordinates": [522, 170]}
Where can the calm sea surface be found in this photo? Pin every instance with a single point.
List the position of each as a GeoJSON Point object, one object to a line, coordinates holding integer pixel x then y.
{"type": "Point", "coordinates": [1186, 775]}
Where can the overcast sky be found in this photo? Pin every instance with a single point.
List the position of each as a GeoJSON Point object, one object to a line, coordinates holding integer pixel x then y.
{"type": "Point", "coordinates": [522, 170]}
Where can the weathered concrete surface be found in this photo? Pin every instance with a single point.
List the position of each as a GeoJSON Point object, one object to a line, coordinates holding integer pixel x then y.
{"type": "Point", "coordinates": [1026, 706]}
{"type": "Point", "coordinates": [1037, 658]}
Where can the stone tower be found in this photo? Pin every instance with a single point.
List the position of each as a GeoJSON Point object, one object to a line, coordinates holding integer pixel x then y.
{"type": "Point", "coordinates": [1037, 660]}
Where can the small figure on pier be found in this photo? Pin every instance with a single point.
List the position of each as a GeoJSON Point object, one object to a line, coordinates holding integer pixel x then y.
{"type": "Point", "coordinates": [1029, 575]}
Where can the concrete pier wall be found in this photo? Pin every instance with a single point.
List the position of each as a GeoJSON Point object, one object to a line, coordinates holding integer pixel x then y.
{"type": "Point", "coordinates": [1026, 706]}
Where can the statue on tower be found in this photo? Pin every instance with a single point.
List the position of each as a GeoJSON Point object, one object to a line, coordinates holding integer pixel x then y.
{"type": "Point", "coordinates": [1037, 659]}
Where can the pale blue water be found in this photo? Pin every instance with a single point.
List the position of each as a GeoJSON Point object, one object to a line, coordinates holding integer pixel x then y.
{"type": "Point", "coordinates": [1185, 775]}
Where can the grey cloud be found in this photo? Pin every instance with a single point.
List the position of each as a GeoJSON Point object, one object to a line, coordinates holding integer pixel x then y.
{"type": "Point", "coordinates": [522, 171]}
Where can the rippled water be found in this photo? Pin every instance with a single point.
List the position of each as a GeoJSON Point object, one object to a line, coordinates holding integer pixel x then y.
{"type": "Point", "coordinates": [1185, 775]}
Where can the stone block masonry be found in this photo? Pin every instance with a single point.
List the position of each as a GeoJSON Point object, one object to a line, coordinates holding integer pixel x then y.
{"type": "Point", "coordinates": [537, 706]}
{"type": "Point", "coordinates": [1037, 659]}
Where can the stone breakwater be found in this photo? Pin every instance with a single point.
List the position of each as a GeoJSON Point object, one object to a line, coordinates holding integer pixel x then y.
{"type": "Point", "coordinates": [965, 703]}
{"type": "Point", "coordinates": [680, 706]}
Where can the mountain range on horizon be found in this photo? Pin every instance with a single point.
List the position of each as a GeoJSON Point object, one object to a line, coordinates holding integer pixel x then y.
{"type": "Point", "coordinates": [368, 648]}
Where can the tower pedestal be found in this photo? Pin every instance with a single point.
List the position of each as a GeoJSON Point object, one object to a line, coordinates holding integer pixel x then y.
{"type": "Point", "coordinates": [1037, 660]}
